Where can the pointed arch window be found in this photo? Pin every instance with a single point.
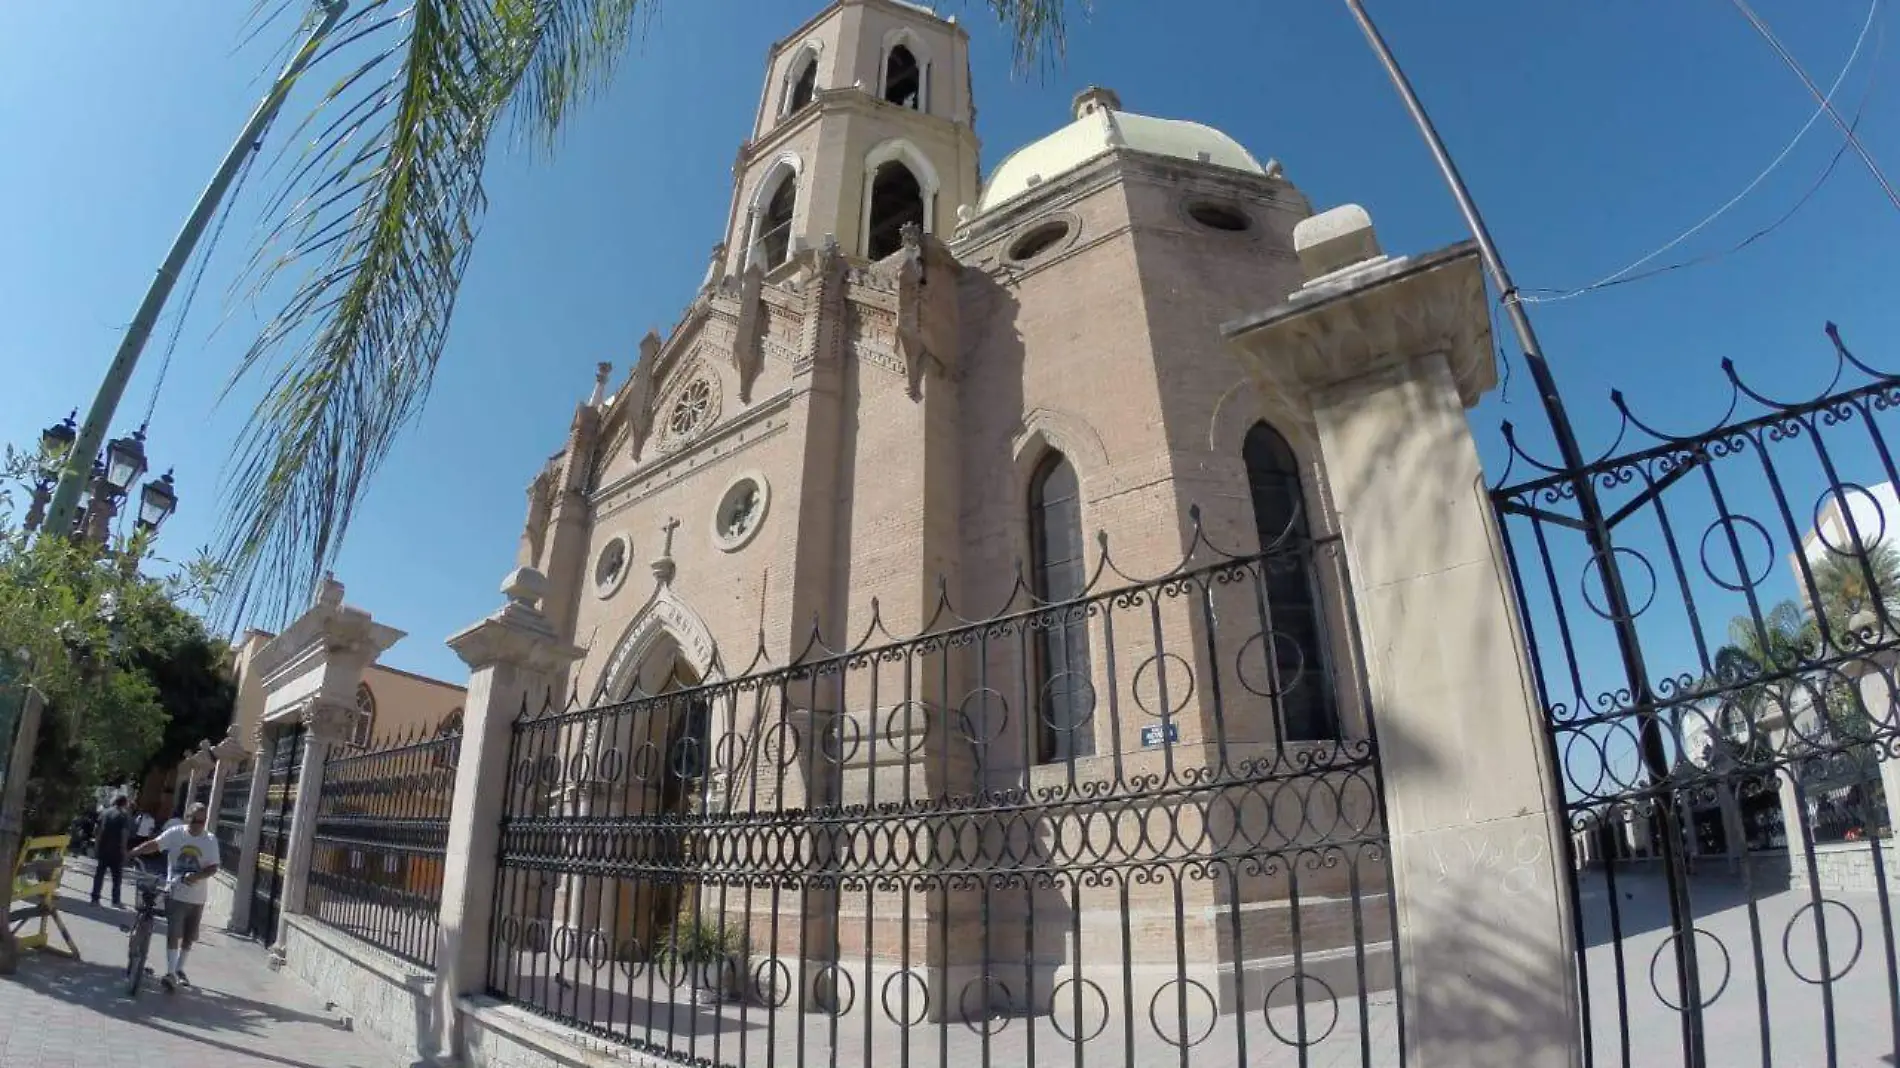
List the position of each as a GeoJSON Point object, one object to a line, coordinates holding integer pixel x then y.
{"type": "Point", "coordinates": [1307, 707]}
{"type": "Point", "coordinates": [1059, 573]}
{"type": "Point", "coordinates": [775, 228]}
{"type": "Point", "coordinates": [897, 201]}
{"type": "Point", "coordinates": [804, 87]}
{"type": "Point", "coordinates": [365, 726]}
{"type": "Point", "coordinates": [903, 78]}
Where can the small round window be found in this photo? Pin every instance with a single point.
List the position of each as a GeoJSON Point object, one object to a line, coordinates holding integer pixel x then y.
{"type": "Point", "coordinates": [610, 567]}
{"type": "Point", "coordinates": [1216, 216]}
{"type": "Point", "coordinates": [1038, 240]}
{"type": "Point", "coordinates": [741, 512]}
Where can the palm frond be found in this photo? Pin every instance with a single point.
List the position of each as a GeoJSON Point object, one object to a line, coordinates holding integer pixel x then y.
{"type": "Point", "coordinates": [378, 205]}
{"type": "Point", "coordinates": [1037, 29]}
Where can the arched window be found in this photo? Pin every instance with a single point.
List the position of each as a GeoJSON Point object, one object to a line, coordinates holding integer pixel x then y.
{"type": "Point", "coordinates": [365, 717]}
{"type": "Point", "coordinates": [1303, 684]}
{"type": "Point", "coordinates": [897, 201]}
{"type": "Point", "coordinates": [804, 87]}
{"type": "Point", "coordinates": [775, 227]}
{"type": "Point", "coordinates": [1058, 572]}
{"type": "Point", "coordinates": [903, 78]}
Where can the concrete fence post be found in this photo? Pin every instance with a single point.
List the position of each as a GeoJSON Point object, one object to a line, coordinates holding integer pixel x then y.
{"type": "Point", "coordinates": [265, 741]}
{"type": "Point", "coordinates": [228, 753]}
{"type": "Point", "coordinates": [326, 725]}
{"type": "Point", "coordinates": [516, 661]}
{"type": "Point", "coordinates": [1380, 357]}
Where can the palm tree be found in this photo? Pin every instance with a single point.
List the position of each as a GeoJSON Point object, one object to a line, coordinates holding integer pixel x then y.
{"type": "Point", "coordinates": [1856, 591]}
{"type": "Point", "coordinates": [380, 212]}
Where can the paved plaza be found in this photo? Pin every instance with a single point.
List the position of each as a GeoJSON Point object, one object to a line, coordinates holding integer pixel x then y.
{"type": "Point", "coordinates": [60, 1013]}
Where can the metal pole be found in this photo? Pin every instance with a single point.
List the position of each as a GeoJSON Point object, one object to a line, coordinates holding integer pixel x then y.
{"type": "Point", "coordinates": [92, 434]}
{"type": "Point", "coordinates": [1596, 530]}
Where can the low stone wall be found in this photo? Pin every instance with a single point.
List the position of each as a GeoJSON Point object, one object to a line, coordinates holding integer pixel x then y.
{"type": "Point", "coordinates": [388, 998]}
{"type": "Point", "coordinates": [498, 1035]}
{"type": "Point", "coordinates": [1847, 868]}
{"type": "Point", "coordinates": [221, 899]}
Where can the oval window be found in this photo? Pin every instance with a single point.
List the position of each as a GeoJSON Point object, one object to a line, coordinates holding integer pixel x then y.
{"type": "Point", "coordinates": [1218, 216]}
{"type": "Point", "coordinates": [1038, 240]}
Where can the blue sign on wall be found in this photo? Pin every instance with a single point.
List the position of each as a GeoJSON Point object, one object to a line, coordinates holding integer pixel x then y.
{"type": "Point", "coordinates": [1152, 736]}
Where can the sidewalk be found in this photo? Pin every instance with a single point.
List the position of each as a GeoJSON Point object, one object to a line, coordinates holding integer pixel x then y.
{"type": "Point", "coordinates": [61, 1013]}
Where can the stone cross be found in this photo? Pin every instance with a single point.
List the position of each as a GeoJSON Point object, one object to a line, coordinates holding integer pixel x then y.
{"type": "Point", "coordinates": [663, 566]}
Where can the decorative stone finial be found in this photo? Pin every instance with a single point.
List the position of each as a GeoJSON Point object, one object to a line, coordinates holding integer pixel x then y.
{"type": "Point", "coordinates": [965, 212]}
{"type": "Point", "coordinates": [1335, 240]}
{"type": "Point", "coordinates": [329, 591]}
{"type": "Point", "coordinates": [525, 587]}
{"type": "Point", "coordinates": [601, 371]}
{"type": "Point", "coordinates": [1094, 99]}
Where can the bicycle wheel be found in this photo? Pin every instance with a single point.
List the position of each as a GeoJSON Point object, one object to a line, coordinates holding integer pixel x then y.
{"type": "Point", "coordinates": [135, 957]}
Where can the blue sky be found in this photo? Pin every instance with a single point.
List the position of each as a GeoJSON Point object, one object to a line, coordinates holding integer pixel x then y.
{"type": "Point", "coordinates": [1590, 132]}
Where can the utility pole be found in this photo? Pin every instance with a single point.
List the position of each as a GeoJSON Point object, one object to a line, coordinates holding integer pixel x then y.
{"type": "Point", "coordinates": [1596, 529]}
{"type": "Point", "coordinates": [77, 464]}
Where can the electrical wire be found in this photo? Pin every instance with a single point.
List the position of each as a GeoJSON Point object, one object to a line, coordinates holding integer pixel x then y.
{"type": "Point", "coordinates": [1774, 42]}
{"type": "Point", "coordinates": [1623, 274]}
{"type": "Point", "coordinates": [1800, 202]}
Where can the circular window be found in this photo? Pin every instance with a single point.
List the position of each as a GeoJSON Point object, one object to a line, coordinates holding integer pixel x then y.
{"type": "Point", "coordinates": [689, 412]}
{"type": "Point", "coordinates": [741, 512]}
{"type": "Point", "coordinates": [610, 567]}
{"type": "Point", "coordinates": [1038, 240]}
{"type": "Point", "coordinates": [1216, 216]}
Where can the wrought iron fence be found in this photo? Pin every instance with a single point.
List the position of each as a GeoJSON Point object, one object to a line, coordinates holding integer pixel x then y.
{"type": "Point", "coordinates": [875, 857]}
{"type": "Point", "coordinates": [1753, 674]}
{"type": "Point", "coordinates": [381, 835]}
{"type": "Point", "coordinates": [233, 805]}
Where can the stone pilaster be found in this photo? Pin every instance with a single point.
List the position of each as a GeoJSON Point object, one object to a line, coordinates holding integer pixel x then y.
{"type": "Point", "coordinates": [516, 660]}
{"type": "Point", "coordinates": [1383, 355]}
{"type": "Point", "coordinates": [240, 919]}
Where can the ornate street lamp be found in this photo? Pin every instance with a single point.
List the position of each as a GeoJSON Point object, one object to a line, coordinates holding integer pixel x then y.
{"type": "Point", "coordinates": [157, 503]}
{"type": "Point", "coordinates": [55, 440]}
{"type": "Point", "coordinates": [125, 461]}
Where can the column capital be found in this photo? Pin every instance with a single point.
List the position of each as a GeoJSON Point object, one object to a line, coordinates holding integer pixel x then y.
{"type": "Point", "coordinates": [230, 748]}
{"type": "Point", "coordinates": [328, 721]}
{"type": "Point", "coordinates": [1377, 313]}
{"type": "Point", "coordinates": [518, 633]}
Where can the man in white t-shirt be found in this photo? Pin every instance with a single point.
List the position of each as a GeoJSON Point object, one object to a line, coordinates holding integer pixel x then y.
{"type": "Point", "coordinates": [191, 855]}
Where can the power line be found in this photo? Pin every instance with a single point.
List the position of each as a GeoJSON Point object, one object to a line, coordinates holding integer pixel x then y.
{"type": "Point", "coordinates": [1623, 275]}
{"type": "Point", "coordinates": [1866, 157]}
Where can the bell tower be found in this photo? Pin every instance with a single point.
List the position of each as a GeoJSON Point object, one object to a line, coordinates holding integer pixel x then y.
{"type": "Point", "coordinates": [865, 126]}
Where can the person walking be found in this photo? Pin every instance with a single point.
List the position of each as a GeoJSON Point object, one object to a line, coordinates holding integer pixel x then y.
{"type": "Point", "coordinates": [191, 855]}
{"type": "Point", "coordinates": [115, 831]}
{"type": "Point", "coordinates": [143, 828]}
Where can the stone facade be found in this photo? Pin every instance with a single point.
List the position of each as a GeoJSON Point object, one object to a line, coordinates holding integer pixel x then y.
{"type": "Point", "coordinates": [830, 446]}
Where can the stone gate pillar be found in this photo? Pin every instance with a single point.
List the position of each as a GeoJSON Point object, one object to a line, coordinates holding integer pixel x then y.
{"type": "Point", "coordinates": [198, 765]}
{"type": "Point", "coordinates": [263, 748]}
{"type": "Point", "coordinates": [516, 660]}
{"type": "Point", "coordinates": [326, 724]}
{"type": "Point", "coordinates": [1377, 358]}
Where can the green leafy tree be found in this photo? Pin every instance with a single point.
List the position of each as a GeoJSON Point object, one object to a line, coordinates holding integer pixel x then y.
{"type": "Point", "coordinates": [380, 215]}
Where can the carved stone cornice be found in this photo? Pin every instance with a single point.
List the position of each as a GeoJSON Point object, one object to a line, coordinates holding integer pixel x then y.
{"type": "Point", "coordinates": [518, 634]}
{"type": "Point", "coordinates": [1364, 321]}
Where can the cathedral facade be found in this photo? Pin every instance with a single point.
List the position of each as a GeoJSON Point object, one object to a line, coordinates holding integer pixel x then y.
{"type": "Point", "coordinates": [908, 396]}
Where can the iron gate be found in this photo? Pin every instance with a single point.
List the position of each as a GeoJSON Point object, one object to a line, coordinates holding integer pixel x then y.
{"type": "Point", "coordinates": [882, 856]}
{"type": "Point", "coordinates": [1721, 743]}
{"type": "Point", "coordinates": [273, 841]}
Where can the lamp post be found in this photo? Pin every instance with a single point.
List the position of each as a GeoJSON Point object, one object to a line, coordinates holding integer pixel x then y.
{"type": "Point", "coordinates": [113, 475]}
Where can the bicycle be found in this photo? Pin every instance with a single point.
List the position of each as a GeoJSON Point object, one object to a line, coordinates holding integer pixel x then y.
{"type": "Point", "coordinates": [151, 892]}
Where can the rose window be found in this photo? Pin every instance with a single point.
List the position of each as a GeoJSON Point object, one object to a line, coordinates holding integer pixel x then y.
{"type": "Point", "coordinates": [689, 412]}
